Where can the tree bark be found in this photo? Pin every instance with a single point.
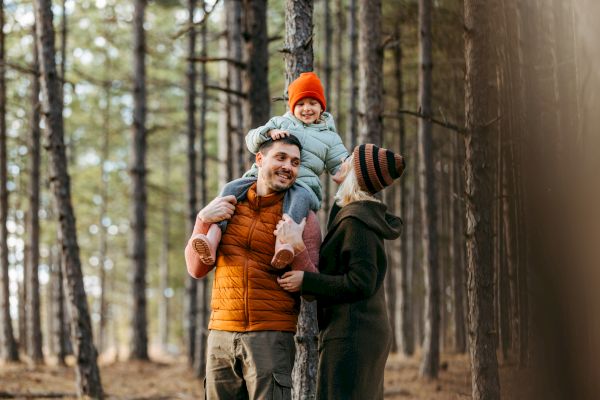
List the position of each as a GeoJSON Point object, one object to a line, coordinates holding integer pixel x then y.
{"type": "Point", "coordinates": [163, 305]}
{"type": "Point", "coordinates": [88, 375]}
{"type": "Point", "coordinates": [139, 340]}
{"type": "Point", "coordinates": [481, 108]}
{"type": "Point", "coordinates": [234, 33]}
{"type": "Point", "coordinates": [370, 64]}
{"type": "Point", "coordinates": [202, 294]}
{"type": "Point", "coordinates": [298, 59]}
{"type": "Point", "coordinates": [431, 350]}
{"type": "Point", "coordinates": [325, 179]}
{"type": "Point", "coordinates": [457, 245]}
{"type": "Point", "coordinates": [256, 82]}
{"type": "Point", "coordinates": [352, 133]}
{"type": "Point", "coordinates": [192, 172]}
{"type": "Point", "coordinates": [8, 345]}
{"type": "Point", "coordinates": [34, 331]}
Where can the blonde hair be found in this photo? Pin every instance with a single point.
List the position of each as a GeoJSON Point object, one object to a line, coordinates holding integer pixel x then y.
{"type": "Point", "coordinates": [349, 189]}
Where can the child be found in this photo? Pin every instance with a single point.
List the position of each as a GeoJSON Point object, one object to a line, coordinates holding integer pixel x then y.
{"type": "Point", "coordinates": [322, 148]}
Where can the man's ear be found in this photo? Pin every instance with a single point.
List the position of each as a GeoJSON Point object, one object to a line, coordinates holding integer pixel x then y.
{"type": "Point", "coordinates": [258, 159]}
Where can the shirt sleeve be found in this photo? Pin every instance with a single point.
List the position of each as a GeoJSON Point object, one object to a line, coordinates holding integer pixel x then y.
{"type": "Point", "coordinates": [195, 267]}
{"type": "Point", "coordinates": [335, 154]}
{"type": "Point", "coordinates": [308, 259]}
{"type": "Point", "coordinates": [360, 279]}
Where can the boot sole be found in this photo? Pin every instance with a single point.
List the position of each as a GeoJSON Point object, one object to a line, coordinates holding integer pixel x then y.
{"type": "Point", "coordinates": [203, 251]}
{"type": "Point", "coordinates": [282, 258]}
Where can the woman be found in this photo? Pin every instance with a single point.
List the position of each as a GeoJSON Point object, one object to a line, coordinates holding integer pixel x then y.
{"type": "Point", "coordinates": [355, 333]}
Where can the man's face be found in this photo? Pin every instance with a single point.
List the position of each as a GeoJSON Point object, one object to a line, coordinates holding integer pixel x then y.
{"type": "Point", "coordinates": [278, 168]}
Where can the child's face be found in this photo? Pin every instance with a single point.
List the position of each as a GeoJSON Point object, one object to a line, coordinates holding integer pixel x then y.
{"type": "Point", "coordinates": [308, 110]}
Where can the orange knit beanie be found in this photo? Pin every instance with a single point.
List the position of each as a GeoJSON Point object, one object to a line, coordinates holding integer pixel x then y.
{"type": "Point", "coordinates": [307, 84]}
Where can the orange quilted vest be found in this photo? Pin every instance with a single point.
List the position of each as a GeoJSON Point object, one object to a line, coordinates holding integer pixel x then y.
{"type": "Point", "coordinates": [245, 295]}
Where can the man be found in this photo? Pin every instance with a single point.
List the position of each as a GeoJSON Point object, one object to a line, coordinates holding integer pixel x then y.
{"type": "Point", "coordinates": [251, 348]}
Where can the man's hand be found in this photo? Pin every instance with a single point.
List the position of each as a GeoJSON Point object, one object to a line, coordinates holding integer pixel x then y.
{"type": "Point", "coordinates": [278, 134]}
{"type": "Point", "coordinates": [291, 281]}
{"type": "Point", "coordinates": [340, 175]}
{"type": "Point", "coordinates": [221, 208]}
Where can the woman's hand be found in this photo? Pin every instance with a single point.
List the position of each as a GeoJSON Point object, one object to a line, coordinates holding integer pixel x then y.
{"type": "Point", "coordinates": [288, 231]}
{"type": "Point", "coordinates": [291, 281]}
{"type": "Point", "coordinates": [278, 134]}
{"type": "Point", "coordinates": [340, 175]}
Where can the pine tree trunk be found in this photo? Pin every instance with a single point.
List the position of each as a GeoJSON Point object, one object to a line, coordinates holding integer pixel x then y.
{"type": "Point", "coordinates": [58, 334]}
{"type": "Point", "coordinates": [406, 327]}
{"type": "Point", "coordinates": [191, 285]}
{"type": "Point", "coordinates": [88, 375]}
{"type": "Point", "coordinates": [336, 107]}
{"type": "Point", "coordinates": [34, 331]}
{"type": "Point", "coordinates": [8, 345]}
{"type": "Point", "coordinates": [202, 295]}
{"type": "Point", "coordinates": [431, 350]}
{"type": "Point", "coordinates": [481, 108]}
{"type": "Point", "coordinates": [352, 132]}
{"type": "Point", "coordinates": [256, 83]}
{"type": "Point", "coordinates": [370, 64]}
{"type": "Point", "coordinates": [104, 178]}
{"type": "Point", "coordinates": [327, 83]}
{"type": "Point", "coordinates": [139, 340]}
{"type": "Point", "coordinates": [234, 33]}
{"type": "Point", "coordinates": [298, 59]}
{"type": "Point", "coordinates": [458, 265]}
{"type": "Point", "coordinates": [163, 305]}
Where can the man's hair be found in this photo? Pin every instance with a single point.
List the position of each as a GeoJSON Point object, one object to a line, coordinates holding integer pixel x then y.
{"type": "Point", "coordinates": [291, 139]}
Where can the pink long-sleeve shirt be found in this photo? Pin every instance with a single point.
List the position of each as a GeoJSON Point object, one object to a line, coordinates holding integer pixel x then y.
{"type": "Point", "coordinates": [306, 260]}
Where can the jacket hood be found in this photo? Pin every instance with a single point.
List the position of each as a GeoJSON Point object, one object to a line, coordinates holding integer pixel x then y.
{"type": "Point", "coordinates": [372, 214]}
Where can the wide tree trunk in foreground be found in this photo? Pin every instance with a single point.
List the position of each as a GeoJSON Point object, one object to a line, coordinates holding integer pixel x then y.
{"type": "Point", "coordinates": [481, 108]}
{"type": "Point", "coordinates": [88, 375]}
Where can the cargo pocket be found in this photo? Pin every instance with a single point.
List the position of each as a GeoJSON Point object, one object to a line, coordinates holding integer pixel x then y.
{"type": "Point", "coordinates": [282, 386]}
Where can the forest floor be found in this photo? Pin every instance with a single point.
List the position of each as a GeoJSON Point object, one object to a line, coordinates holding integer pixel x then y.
{"type": "Point", "coordinates": [172, 379]}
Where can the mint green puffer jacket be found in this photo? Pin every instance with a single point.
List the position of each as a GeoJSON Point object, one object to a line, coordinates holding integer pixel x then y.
{"type": "Point", "coordinates": [322, 148]}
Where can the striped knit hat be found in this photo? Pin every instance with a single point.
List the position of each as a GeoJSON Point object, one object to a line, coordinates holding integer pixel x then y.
{"type": "Point", "coordinates": [376, 167]}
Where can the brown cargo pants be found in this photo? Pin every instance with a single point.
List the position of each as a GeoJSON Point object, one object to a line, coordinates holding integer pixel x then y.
{"type": "Point", "coordinates": [249, 365]}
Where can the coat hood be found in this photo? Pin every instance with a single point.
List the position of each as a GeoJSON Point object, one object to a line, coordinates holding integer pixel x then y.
{"type": "Point", "coordinates": [372, 214]}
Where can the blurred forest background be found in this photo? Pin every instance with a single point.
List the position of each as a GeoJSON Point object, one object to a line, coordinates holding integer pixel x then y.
{"type": "Point", "coordinates": [494, 103]}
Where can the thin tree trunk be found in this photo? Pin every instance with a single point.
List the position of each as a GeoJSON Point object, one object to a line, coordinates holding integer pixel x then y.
{"type": "Point", "coordinates": [370, 64]}
{"type": "Point", "coordinates": [457, 244]}
{"type": "Point", "coordinates": [58, 334]}
{"type": "Point", "coordinates": [8, 345]}
{"type": "Point", "coordinates": [34, 331]}
{"type": "Point", "coordinates": [203, 286]}
{"type": "Point", "coordinates": [327, 83]}
{"type": "Point", "coordinates": [480, 110]}
{"type": "Point", "coordinates": [431, 350]}
{"type": "Point", "coordinates": [256, 82]}
{"type": "Point", "coordinates": [336, 108]}
{"type": "Point", "coordinates": [104, 179]}
{"type": "Point", "coordinates": [406, 327]}
{"type": "Point", "coordinates": [163, 305]}
{"type": "Point", "coordinates": [352, 133]}
{"type": "Point", "coordinates": [191, 286]}
{"type": "Point", "coordinates": [139, 340]}
{"type": "Point", "coordinates": [88, 375]}
{"type": "Point", "coordinates": [234, 32]}
{"type": "Point", "coordinates": [298, 59]}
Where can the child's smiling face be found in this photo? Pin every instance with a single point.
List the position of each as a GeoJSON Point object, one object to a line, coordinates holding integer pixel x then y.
{"type": "Point", "coordinates": [308, 110]}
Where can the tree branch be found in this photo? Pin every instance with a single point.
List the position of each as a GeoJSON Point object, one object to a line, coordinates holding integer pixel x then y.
{"type": "Point", "coordinates": [433, 120]}
{"type": "Point", "coordinates": [227, 90]}
{"type": "Point", "coordinates": [237, 63]}
{"type": "Point", "coordinates": [187, 27]}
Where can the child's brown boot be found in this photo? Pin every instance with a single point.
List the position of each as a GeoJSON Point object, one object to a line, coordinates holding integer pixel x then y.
{"type": "Point", "coordinates": [284, 255]}
{"type": "Point", "coordinates": [206, 245]}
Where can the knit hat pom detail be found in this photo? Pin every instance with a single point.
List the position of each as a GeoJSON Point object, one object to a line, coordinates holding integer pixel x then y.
{"type": "Point", "coordinates": [307, 84]}
{"type": "Point", "coordinates": [376, 167]}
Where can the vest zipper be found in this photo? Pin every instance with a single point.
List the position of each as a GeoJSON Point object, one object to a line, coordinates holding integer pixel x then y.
{"type": "Point", "coordinates": [246, 313]}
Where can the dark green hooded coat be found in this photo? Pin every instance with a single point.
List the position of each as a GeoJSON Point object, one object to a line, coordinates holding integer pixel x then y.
{"type": "Point", "coordinates": [355, 333]}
